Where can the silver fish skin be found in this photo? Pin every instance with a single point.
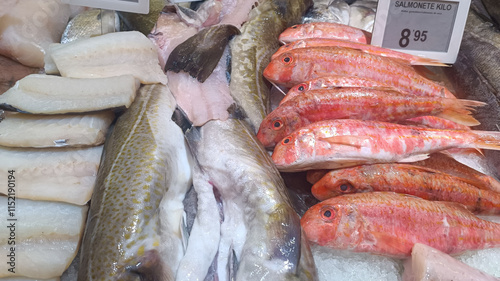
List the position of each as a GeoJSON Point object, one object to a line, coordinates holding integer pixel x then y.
{"type": "Point", "coordinates": [91, 23]}
{"type": "Point", "coordinates": [133, 229]}
{"type": "Point", "coordinates": [251, 52]}
{"type": "Point", "coordinates": [337, 11]}
{"type": "Point", "coordinates": [242, 171]}
{"type": "Point", "coordinates": [476, 76]}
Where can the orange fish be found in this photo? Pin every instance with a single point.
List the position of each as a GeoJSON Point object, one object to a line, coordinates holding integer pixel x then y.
{"type": "Point", "coordinates": [313, 176]}
{"type": "Point", "coordinates": [334, 144]}
{"type": "Point", "coordinates": [388, 223]}
{"type": "Point", "coordinates": [370, 49]}
{"type": "Point", "coordinates": [333, 81]}
{"type": "Point", "coordinates": [324, 30]}
{"type": "Point", "coordinates": [358, 103]}
{"type": "Point", "coordinates": [299, 65]}
{"type": "Point", "coordinates": [423, 182]}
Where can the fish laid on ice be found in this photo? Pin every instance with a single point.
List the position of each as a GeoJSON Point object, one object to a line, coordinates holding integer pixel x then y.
{"type": "Point", "coordinates": [342, 143]}
{"type": "Point", "coordinates": [299, 65]}
{"type": "Point", "coordinates": [12, 71]}
{"type": "Point", "coordinates": [428, 264]}
{"type": "Point", "coordinates": [324, 30]}
{"type": "Point", "coordinates": [414, 180]}
{"type": "Point", "coordinates": [47, 94]}
{"type": "Point", "coordinates": [91, 23]}
{"type": "Point", "coordinates": [271, 245]}
{"type": "Point", "coordinates": [333, 81]}
{"type": "Point", "coordinates": [388, 223]}
{"type": "Point", "coordinates": [358, 103]}
{"type": "Point", "coordinates": [29, 27]}
{"type": "Point", "coordinates": [135, 217]}
{"type": "Point", "coordinates": [27, 130]}
{"type": "Point", "coordinates": [46, 234]}
{"type": "Point", "coordinates": [370, 49]}
{"type": "Point", "coordinates": [112, 54]}
{"type": "Point", "coordinates": [54, 174]}
{"type": "Point", "coordinates": [251, 51]}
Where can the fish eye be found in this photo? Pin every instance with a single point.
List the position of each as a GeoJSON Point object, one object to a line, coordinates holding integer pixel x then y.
{"type": "Point", "coordinates": [277, 124]}
{"type": "Point", "coordinates": [287, 59]}
{"type": "Point", "coordinates": [295, 26]}
{"type": "Point", "coordinates": [327, 213]}
{"type": "Point", "coordinates": [345, 186]}
{"type": "Point", "coordinates": [286, 140]}
{"type": "Point", "coordinates": [301, 87]}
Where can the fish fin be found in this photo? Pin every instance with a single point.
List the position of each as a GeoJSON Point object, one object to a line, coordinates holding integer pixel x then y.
{"type": "Point", "coordinates": [456, 205]}
{"type": "Point", "coordinates": [414, 158]}
{"type": "Point", "coordinates": [426, 61]}
{"type": "Point", "coordinates": [184, 231]}
{"type": "Point", "coordinates": [200, 54]}
{"type": "Point", "coordinates": [354, 141]}
{"type": "Point", "coordinates": [232, 264]}
{"type": "Point", "coordinates": [391, 244]}
{"type": "Point", "coordinates": [459, 111]}
{"type": "Point", "coordinates": [181, 119]}
{"type": "Point", "coordinates": [487, 140]}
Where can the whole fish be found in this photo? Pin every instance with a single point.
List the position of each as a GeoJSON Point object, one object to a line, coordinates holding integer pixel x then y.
{"type": "Point", "coordinates": [357, 103]}
{"type": "Point", "coordinates": [273, 247]}
{"type": "Point", "coordinates": [342, 143]}
{"type": "Point", "coordinates": [369, 49]}
{"type": "Point", "coordinates": [324, 30]}
{"type": "Point", "coordinates": [135, 216]}
{"type": "Point", "coordinates": [252, 50]}
{"type": "Point", "coordinates": [388, 223]}
{"type": "Point", "coordinates": [299, 65]}
{"type": "Point", "coordinates": [408, 179]}
{"type": "Point", "coordinates": [333, 81]}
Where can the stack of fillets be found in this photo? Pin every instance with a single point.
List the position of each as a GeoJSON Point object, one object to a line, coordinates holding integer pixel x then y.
{"type": "Point", "coordinates": [52, 132]}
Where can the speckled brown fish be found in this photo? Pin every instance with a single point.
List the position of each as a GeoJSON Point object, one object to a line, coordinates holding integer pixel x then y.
{"type": "Point", "coordinates": [133, 231]}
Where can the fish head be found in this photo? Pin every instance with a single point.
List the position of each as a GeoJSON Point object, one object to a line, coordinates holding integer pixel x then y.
{"type": "Point", "coordinates": [292, 152]}
{"type": "Point", "coordinates": [281, 69]}
{"type": "Point", "coordinates": [279, 124]}
{"type": "Point", "coordinates": [334, 183]}
{"type": "Point", "coordinates": [292, 33]}
{"type": "Point", "coordinates": [321, 222]}
{"type": "Point", "coordinates": [289, 46]}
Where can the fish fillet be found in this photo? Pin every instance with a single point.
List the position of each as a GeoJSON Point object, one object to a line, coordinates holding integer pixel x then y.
{"type": "Point", "coordinates": [46, 94]}
{"type": "Point", "coordinates": [47, 236]}
{"type": "Point", "coordinates": [111, 54]}
{"type": "Point", "coordinates": [26, 130]}
{"type": "Point", "coordinates": [54, 174]}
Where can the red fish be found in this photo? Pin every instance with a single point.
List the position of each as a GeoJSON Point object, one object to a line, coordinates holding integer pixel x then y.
{"type": "Point", "coordinates": [357, 103]}
{"type": "Point", "coordinates": [324, 30]}
{"type": "Point", "coordinates": [387, 223]}
{"type": "Point", "coordinates": [408, 179]}
{"type": "Point", "coordinates": [334, 144]}
{"type": "Point", "coordinates": [299, 65]}
{"type": "Point", "coordinates": [435, 122]}
{"type": "Point", "coordinates": [370, 49]}
{"type": "Point", "coordinates": [333, 81]}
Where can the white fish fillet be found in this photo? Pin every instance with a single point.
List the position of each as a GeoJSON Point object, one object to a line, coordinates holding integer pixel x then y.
{"type": "Point", "coordinates": [112, 54]}
{"type": "Point", "coordinates": [29, 26]}
{"type": "Point", "coordinates": [47, 94]}
{"type": "Point", "coordinates": [26, 130]}
{"type": "Point", "coordinates": [53, 174]}
{"type": "Point", "coordinates": [47, 236]}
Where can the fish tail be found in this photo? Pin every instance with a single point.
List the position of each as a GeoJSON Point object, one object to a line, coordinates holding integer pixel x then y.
{"type": "Point", "coordinates": [487, 140]}
{"type": "Point", "coordinates": [459, 111]}
{"type": "Point", "coordinates": [426, 61]}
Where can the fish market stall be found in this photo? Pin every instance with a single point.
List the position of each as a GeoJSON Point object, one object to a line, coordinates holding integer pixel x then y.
{"type": "Point", "coordinates": [244, 140]}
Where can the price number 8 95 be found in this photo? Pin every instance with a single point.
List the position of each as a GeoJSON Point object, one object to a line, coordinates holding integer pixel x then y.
{"type": "Point", "coordinates": [418, 35]}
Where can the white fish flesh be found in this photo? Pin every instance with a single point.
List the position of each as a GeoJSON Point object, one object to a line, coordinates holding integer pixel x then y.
{"type": "Point", "coordinates": [46, 236]}
{"type": "Point", "coordinates": [72, 130]}
{"type": "Point", "coordinates": [46, 94]}
{"type": "Point", "coordinates": [428, 264]}
{"type": "Point", "coordinates": [29, 26]}
{"type": "Point", "coordinates": [53, 174]}
{"type": "Point", "coordinates": [112, 54]}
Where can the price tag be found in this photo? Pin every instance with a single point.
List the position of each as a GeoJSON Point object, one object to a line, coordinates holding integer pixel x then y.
{"type": "Point", "coordinates": [431, 29]}
{"type": "Point", "coordinates": [133, 6]}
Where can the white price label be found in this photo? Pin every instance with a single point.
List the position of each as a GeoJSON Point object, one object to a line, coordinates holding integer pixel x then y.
{"type": "Point", "coordinates": [133, 6]}
{"type": "Point", "coordinates": [431, 29]}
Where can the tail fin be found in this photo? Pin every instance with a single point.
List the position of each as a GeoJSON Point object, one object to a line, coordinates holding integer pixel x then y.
{"type": "Point", "coordinates": [426, 61]}
{"type": "Point", "coordinates": [459, 111]}
{"type": "Point", "coordinates": [487, 140]}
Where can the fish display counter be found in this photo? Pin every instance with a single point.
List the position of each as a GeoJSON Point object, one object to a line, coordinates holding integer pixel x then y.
{"type": "Point", "coordinates": [244, 140]}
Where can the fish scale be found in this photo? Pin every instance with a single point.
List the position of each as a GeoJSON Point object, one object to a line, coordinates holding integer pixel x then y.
{"type": "Point", "coordinates": [138, 172]}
